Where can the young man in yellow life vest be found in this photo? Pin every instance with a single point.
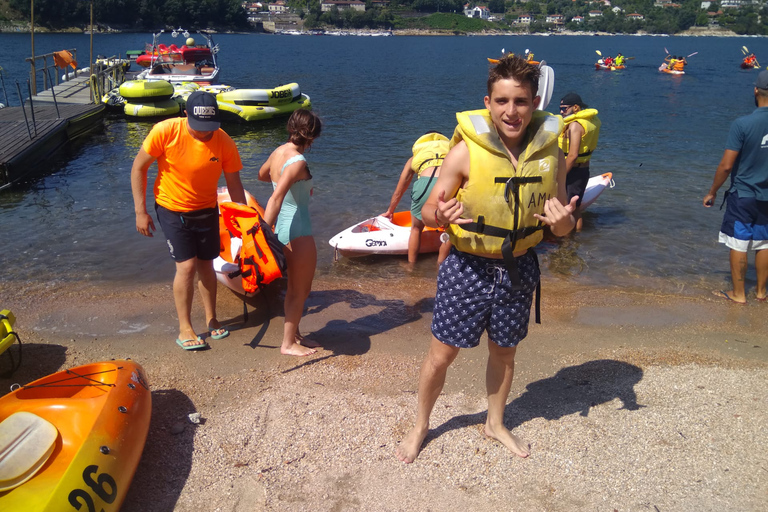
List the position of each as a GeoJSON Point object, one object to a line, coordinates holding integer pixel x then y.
{"type": "Point", "coordinates": [619, 60]}
{"type": "Point", "coordinates": [501, 183]}
{"type": "Point", "coordinates": [578, 141]}
{"type": "Point", "coordinates": [429, 150]}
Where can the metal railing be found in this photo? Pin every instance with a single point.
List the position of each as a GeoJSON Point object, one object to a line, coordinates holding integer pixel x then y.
{"type": "Point", "coordinates": [44, 70]}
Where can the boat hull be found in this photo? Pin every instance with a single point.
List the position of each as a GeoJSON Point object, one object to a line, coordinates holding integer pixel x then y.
{"type": "Point", "coordinates": [603, 67]}
{"type": "Point", "coordinates": [379, 235]}
{"type": "Point", "coordinates": [102, 412]}
{"type": "Point", "coordinates": [595, 187]}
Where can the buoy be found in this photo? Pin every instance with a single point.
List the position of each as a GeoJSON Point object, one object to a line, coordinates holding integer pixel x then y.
{"type": "Point", "coordinates": [190, 41]}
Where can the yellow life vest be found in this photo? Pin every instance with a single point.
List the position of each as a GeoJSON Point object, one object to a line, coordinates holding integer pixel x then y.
{"type": "Point", "coordinates": [619, 61]}
{"type": "Point", "coordinates": [499, 197]}
{"type": "Point", "coordinates": [429, 150]}
{"type": "Point", "coordinates": [588, 120]}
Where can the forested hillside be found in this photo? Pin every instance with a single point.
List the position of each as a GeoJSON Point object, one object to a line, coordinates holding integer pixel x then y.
{"type": "Point", "coordinates": [139, 14]}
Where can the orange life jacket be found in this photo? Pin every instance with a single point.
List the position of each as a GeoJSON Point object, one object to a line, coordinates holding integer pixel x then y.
{"type": "Point", "coordinates": [679, 65]}
{"type": "Point", "coordinates": [261, 259]}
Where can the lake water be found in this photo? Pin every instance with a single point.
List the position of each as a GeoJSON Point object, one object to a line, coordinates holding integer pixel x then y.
{"type": "Point", "coordinates": [662, 137]}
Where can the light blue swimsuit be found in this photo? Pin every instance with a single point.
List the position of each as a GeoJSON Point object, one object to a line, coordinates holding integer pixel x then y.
{"type": "Point", "coordinates": [293, 219]}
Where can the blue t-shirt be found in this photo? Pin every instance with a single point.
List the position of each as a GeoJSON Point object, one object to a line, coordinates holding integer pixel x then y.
{"type": "Point", "coordinates": [749, 136]}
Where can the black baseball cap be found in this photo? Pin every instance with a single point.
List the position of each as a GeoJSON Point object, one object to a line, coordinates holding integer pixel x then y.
{"type": "Point", "coordinates": [572, 99]}
{"type": "Point", "coordinates": [203, 112]}
{"type": "Point", "coordinates": [762, 80]}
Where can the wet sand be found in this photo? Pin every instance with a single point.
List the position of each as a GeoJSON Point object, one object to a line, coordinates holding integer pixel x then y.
{"type": "Point", "coordinates": [630, 401]}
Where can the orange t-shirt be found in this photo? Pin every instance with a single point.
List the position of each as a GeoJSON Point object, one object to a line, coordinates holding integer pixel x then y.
{"type": "Point", "coordinates": [188, 170]}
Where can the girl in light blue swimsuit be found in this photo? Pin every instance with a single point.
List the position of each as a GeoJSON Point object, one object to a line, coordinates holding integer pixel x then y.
{"type": "Point", "coordinates": [288, 211]}
{"type": "Point", "coordinates": [293, 219]}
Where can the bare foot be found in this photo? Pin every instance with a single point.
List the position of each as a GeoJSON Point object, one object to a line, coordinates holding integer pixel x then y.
{"type": "Point", "coordinates": [409, 448]}
{"type": "Point", "coordinates": [306, 342]}
{"type": "Point", "coordinates": [508, 439]}
{"type": "Point", "coordinates": [294, 349]}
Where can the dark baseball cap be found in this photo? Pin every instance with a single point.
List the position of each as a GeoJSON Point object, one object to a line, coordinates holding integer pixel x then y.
{"type": "Point", "coordinates": [203, 112]}
{"type": "Point", "coordinates": [572, 99]}
{"type": "Point", "coordinates": [762, 80]}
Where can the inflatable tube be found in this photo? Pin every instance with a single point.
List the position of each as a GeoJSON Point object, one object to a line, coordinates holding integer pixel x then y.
{"type": "Point", "coordinates": [259, 97]}
{"type": "Point", "coordinates": [113, 100]}
{"type": "Point", "coordinates": [162, 108]}
{"type": "Point", "coordinates": [233, 112]}
{"type": "Point", "coordinates": [146, 89]}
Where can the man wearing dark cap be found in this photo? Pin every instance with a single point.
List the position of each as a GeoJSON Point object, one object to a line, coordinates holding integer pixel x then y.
{"type": "Point", "coordinates": [745, 223]}
{"type": "Point", "coordinates": [578, 141]}
{"type": "Point", "coordinates": [191, 155]}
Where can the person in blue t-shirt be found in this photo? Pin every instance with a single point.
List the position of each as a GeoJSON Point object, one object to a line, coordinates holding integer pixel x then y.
{"type": "Point", "coordinates": [745, 223]}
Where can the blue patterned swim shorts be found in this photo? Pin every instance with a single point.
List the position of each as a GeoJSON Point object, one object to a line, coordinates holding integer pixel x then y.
{"type": "Point", "coordinates": [474, 294]}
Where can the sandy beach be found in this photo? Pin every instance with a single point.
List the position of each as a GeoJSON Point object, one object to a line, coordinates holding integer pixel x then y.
{"type": "Point", "coordinates": [630, 401]}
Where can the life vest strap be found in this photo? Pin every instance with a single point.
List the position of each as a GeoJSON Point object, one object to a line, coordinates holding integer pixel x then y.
{"type": "Point", "coordinates": [515, 182]}
{"type": "Point", "coordinates": [585, 154]}
{"type": "Point", "coordinates": [481, 228]}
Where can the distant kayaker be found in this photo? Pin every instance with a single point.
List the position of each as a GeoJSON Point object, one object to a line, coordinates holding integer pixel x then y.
{"type": "Point", "coordinates": [429, 150]}
{"type": "Point", "coordinates": [750, 60]}
{"type": "Point", "coordinates": [288, 211]}
{"type": "Point", "coordinates": [191, 153]}
{"type": "Point", "coordinates": [670, 60]}
{"type": "Point", "coordinates": [679, 63]}
{"type": "Point", "coordinates": [491, 198]}
{"type": "Point", "coordinates": [578, 141]}
{"type": "Point", "coordinates": [619, 61]}
{"type": "Point", "coordinates": [608, 61]}
{"type": "Point", "coordinates": [745, 223]}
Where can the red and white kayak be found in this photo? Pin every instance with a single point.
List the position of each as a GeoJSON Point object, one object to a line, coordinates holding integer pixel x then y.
{"type": "Point", "coordinates": [379, 235]}
{"type": "Point", "coordinates": [595, 187]}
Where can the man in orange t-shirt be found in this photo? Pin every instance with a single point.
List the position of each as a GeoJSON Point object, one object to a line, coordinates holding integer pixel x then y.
{"type": "Point", "coordinates": [191, 155]}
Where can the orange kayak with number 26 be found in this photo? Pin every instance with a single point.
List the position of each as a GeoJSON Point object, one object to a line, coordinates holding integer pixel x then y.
{"type": "Point", "coordinates": [72, 440]}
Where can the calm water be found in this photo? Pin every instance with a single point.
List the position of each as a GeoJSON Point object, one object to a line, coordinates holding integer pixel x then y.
{"type": "Point", "coordinates": [662, 137]}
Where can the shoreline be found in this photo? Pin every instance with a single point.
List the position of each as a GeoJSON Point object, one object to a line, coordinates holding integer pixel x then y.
{"type": "Point", "coordinates": [692, 32]}
{"type": "Point", "coordinates": [630, 400]}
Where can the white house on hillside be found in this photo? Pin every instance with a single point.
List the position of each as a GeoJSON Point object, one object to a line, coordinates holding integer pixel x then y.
{"type": "Point", "coordinates": [479, 11]}
{"type": "Point", "coordinates": [525, 19]}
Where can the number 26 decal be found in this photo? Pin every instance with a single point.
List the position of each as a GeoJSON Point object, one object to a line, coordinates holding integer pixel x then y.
{"type": "Point", "coordinates": [104, 487]}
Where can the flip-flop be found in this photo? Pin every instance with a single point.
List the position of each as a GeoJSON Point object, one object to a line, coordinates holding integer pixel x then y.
{"type": "Point", "coordinates": [761, 299]}
{"type": "Point", "coordinates": [722, 294]}
{"type": "Point", "coordinates": [220, 333]}
{"type": "Point", "coordinates": [200, 345]}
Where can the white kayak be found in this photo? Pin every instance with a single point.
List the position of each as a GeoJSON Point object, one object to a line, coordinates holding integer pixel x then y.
{"type": "Point", "coordinates": [379, 235]}
{"type": "Point", "coordinates": [595, 187]}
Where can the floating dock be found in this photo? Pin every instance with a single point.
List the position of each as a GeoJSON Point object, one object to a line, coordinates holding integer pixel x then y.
{"type": "Point", "coordinates": [31, 133]}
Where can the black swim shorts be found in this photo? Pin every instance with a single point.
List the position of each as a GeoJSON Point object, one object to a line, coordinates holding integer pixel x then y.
{"type": "Point", "coordinates": [474, 294]}
{"type": "Point", "coordinates": [576, 183]}
{"type": "Point", "coordinates": [192, 234]}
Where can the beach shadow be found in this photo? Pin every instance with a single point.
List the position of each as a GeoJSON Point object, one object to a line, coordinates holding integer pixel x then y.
{"type": "Point", "coordinates": [258, 311]}
{"type": "Point", "coordinates": [166, 462]}
{"type": "Point", "coordinates": [573, 389]}
{"type": "Point", "coordinates": [351, 338]}
{"type": "Point", "coordinates": [37, 361]}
